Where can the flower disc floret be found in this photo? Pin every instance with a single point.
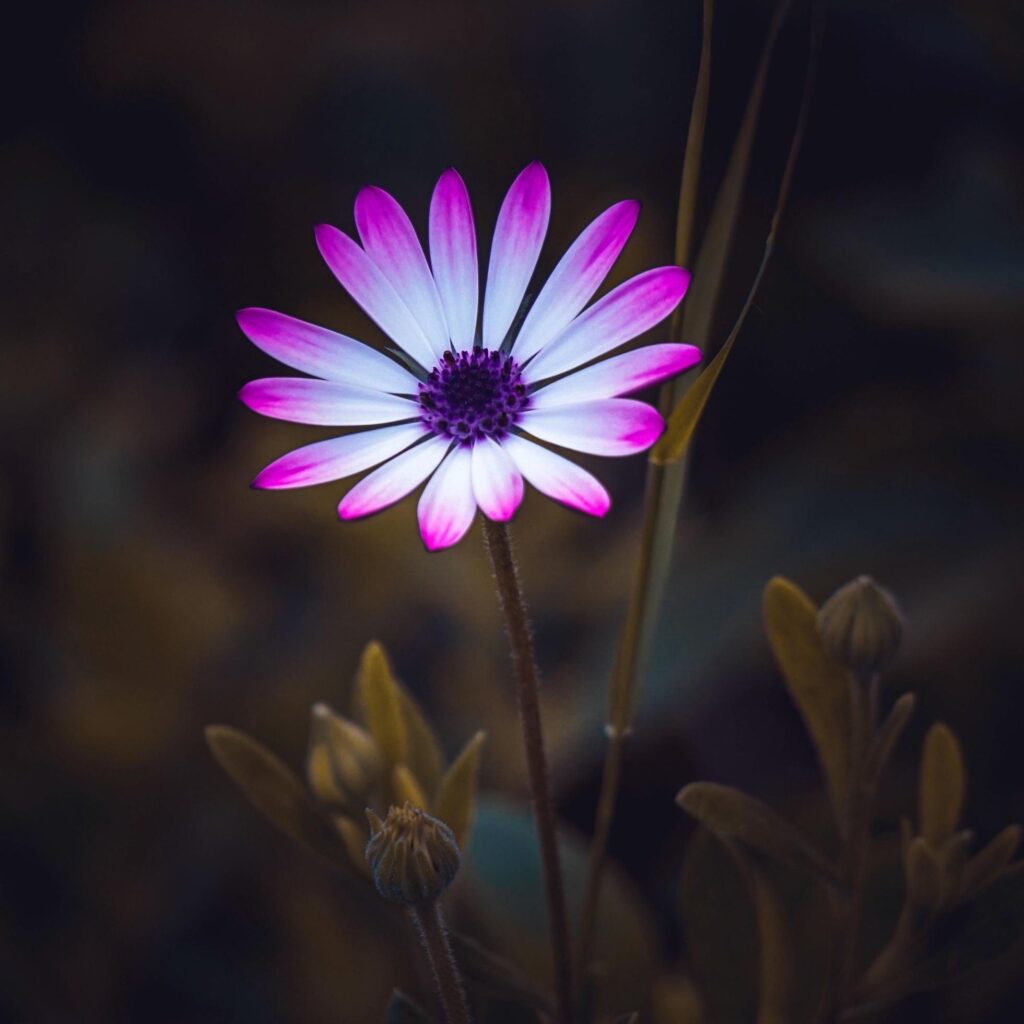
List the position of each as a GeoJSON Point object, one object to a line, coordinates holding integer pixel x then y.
{"type": "Point", "coordinates": [473, 395]}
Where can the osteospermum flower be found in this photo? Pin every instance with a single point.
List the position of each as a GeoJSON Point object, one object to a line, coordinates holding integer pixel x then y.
{"type": "Point", "coordinates": [461, 410]}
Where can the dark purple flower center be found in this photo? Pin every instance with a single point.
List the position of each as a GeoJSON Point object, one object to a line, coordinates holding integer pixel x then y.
{"type": "Point", "coordinates": [472, 395]}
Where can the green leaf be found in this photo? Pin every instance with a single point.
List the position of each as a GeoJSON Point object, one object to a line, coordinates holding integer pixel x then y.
{"type": "Point", "coordinates": [682, 421]}
{"type": "Point", "coordinates": [735, 815]}
{"type": "Point", "coordinates": [924, 875]}
{"type": "Point", "coordinates": [819, 688]}
{"type": "Point", "coordinates": [402, 1010]}
{"type": "Point", "coordinates": [455, 795]}
{"type": "Point", "coordinates": [889, 734]}
{"type": "Point", "coordinates": [405, 788]}
{"type": "Point", "coordinates": [942, 786]}
{"type": "Point", "coordinates": [506, 878]}
{"type": "Point", "coordinates": [720, 927]}
{"type": "Point", "coordinates": [423, 754]}
{"type": "Point", "coordinates": [492, 975]}
{"type": "Point", "coordinates": [989, 862]}
{"type": "Point", "coordinates": [353, 838]}
{"type": "Point", "coordinates": [382, 701]}
{"type": "Point", "coordinates": [273, 789]}
{"type": "Point", "coordinates": [692, 322]}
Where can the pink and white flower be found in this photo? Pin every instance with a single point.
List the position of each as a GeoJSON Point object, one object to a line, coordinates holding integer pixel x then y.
{"type": "Point", "coordinates": [459, 410]}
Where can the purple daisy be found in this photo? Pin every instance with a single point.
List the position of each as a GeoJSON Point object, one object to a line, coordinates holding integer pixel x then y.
{"type": "Point", "coordinates": [453, 407]}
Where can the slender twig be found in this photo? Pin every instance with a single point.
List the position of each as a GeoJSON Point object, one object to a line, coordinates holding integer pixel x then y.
{"type": "Point", "coordinates": [429, 922]}
{"type": "Point", "coordinates": [498, 541]}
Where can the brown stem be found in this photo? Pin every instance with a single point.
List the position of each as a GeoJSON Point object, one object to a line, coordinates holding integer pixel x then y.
{"type": "Point", "coordinates": [430, 924]}
{"type": "Point", "coordinates": [498, 541]}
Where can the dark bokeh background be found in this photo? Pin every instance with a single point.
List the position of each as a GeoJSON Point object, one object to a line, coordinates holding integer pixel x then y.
{"type": "Point", "coordinates": [163, 164]}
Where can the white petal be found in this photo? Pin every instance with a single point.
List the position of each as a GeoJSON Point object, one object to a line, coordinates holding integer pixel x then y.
{"type": "Point", "coordinates": [390, 240]}
{"type": "Point", "coordinates": [447, 505]}
{"type": "Point", "coordinates": [453, 257]}
{"type": "Point", "coordinates": [518, 237]}
{"type": "Point", "coordinates": [612, 426]}
{"type": "Point", "coordinates": [617, 376]}
{"type": "Point", "coordinates": [338, 457]}
{"type": "Point", "coordinates": [621, 315]}
{"type": "Point", "coordinates": [394, 480]}
{"type": "Point", "coordinates": [325, 403]}
{"type": "Point", "coordinates": [366, 283]}
{"type": "Point", "coordinates": [497, 483]}
{"type": "Point", "coordinates": [578, 275]}
{"type": "Point", "coordinates": [323, 353]}
{"type": "Point", "coordinates": [557, 477]}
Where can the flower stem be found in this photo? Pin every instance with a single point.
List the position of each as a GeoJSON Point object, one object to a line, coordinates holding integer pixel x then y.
{"type": "Point", "coordinates": [848, 906]}
{"type": "Point", "coordinates": [498, 541]}
{"type": "Point", "coordinates": [429, 922]}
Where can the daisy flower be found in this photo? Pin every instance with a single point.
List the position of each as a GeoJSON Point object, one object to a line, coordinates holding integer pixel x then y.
{"type": "Point", "coordinates": [461, 410]}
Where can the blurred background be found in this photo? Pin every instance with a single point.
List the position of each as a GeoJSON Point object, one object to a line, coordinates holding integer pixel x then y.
{"type": "Point", "coordinates": [163, 163]}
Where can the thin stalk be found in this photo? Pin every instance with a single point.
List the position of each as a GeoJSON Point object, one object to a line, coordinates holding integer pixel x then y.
{"type": "Point", "coordinates": [848, 904]}
{"type": "Point", "coordinates": [498, 541]}
{"type": "Point", "coordinates": [664, 489]}
{"type": "Point", "coordinates": [429, 922]}
{"type": "Point", "coordinates": [639, 625]}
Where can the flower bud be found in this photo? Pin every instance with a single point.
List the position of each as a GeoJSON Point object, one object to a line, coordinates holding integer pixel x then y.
{"type": "Point", "coordinates": [343, 764]}
{"type": "Point", "coordinates": [413, 856]}
{"type": "Point", "coordinates": [861, 626]}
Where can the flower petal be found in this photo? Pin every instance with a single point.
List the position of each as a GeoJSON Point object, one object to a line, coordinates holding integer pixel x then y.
{"type": "Point", "coordinates": [394, 480]}
{"type": "Point", "coordinates": [617, 376]}
{"type": "Point", "coordinates": [366, 283]}
{"type": "Point", "coordinates": [390, 240]}
{"type": "Point", "coordinates": [497, 483]}
{"type": "Point", "coordinates": [578, 275]}
{"type": "Point", "coordinates": [554, 475]}
{"type": "Point", "coordinates": [447, 505]}
{"type": "Point", "coordinates": [325, 403]}
{"type": "Point", "coordinates": [619, 316]}
{"type": "Point", "coordinates": [518, 237]}
{"type": "Point", "coordinates": [337, 457]}
{"type": "Point", "coordinates": [453, 257]}
{"type": "Point", "coordinates": [613, 426]}
{"type": "Point", "coordinates": [323, 353]}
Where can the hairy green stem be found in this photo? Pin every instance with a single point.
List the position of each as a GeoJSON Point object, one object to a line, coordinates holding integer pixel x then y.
{"type": "Point", "coordinates": [429, 921]}
{"type": "Point", "coordinates": [498, 541]}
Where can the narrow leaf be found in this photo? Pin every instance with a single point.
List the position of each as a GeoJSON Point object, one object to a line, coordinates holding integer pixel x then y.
{"type": "Point", "coordinates": [406, 788]}
{"type": "Point", "coordinates": [991, 860]}
{"type": "Point", "coordinates": [273, 789]}
{"type": "Point", "coordinates": [888, 736]}
{"type": "Point", "coordinates": [383, 703]}
{"type": "Point", "coordinates": [683, 420]}
{"type": "Point", "coordinates": [819, 687]}
{"type": "Point", "coordinates": [423, 754]}
{"type": "Point", "coordinates": [353, 838]}
{"type": "Point", "coordinates": [924, 875]}
{"type": "Point", "coordinates": [493, 975]}
{"type": "Point", "coordinates": [735, 815]}
{"type": "Point", "coordinates": [455, 796]}
{"type": "Point", "coordinates": [402, 1010]}
{"type": "Point", "coordinates": [942, 786]}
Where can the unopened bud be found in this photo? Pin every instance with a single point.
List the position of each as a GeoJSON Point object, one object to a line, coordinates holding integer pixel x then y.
{"type": "Point", "coordinates": [861, 626]}
{"type": "Point", "coordinates": [413, 856]}
{"type": "Point", "coordinates": [343, 764]}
